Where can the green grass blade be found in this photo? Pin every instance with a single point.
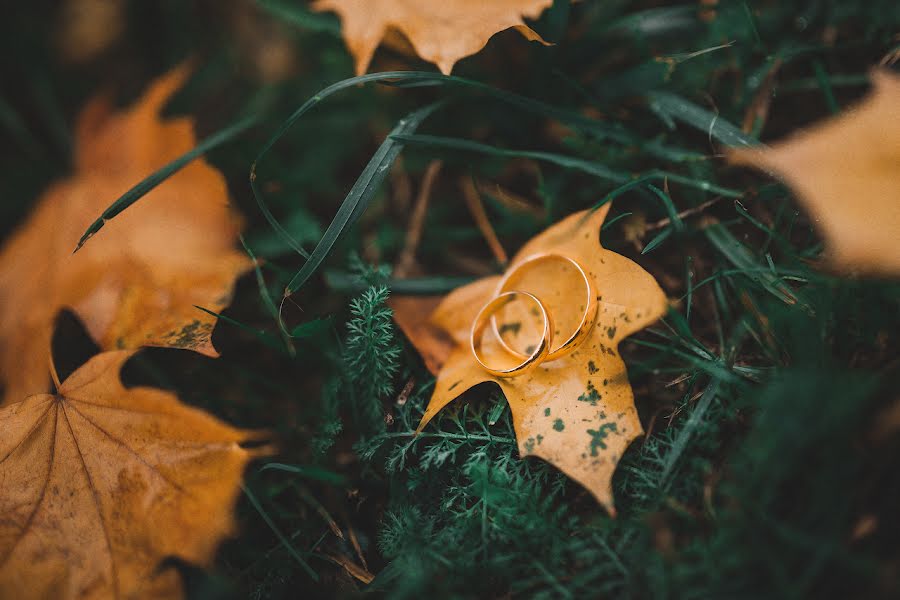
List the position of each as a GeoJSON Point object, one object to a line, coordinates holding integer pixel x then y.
{"type": "Point", "coordinates": [568, 162]}
{"type": "Point", "coordinates": [281, 537]}
{"type": "Point", "coordinates": [684, 436]}
{"type": "Point", "coordinates": [156, 178]}
{"type": "Point", "coordinates": [360, 195]}
{"type": "Point", "coordinates": [267, 300]}
{"type": "Point", "coordinates": [657, 240]}
{"type": "Point", "coordinates": [264, 337]}
{"type": "Point", "coordinates": [657, 175]}
{"type": "Point", "coordinates": [310, 472]}
{"type": "Point", "coordinates": [669, 205]}
{"type": "Point", "coordinates": [671, 106]}
{"type": "Point", "coordinates": [738, 255]}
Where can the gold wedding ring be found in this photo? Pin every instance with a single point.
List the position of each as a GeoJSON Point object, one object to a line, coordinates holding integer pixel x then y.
{"type": "Point", "coordinates": [587, 320]}
{"type": "Point", "coordinates": [531, 360]}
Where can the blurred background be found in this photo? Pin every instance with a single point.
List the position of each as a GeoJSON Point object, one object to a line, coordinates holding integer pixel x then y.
{"type": "Point", "coordinates": [771, 460]}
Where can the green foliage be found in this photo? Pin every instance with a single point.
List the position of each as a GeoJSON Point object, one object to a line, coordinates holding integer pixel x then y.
{"type": "Point", "coordinates": [371, 355]}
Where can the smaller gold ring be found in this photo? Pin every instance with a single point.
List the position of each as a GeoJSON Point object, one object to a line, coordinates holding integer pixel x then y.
{"type": "Point", "coordinates": [587, 320]}
{"type": "Point", "coordinates": [532, 360]}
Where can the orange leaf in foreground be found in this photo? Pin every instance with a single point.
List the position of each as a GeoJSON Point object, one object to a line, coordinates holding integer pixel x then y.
{"type": "Point", "coordinates": [136, 283]}
{"type": "Point", "coordinates": [99, 483]}
{"type": "Point", "coordinates": [846, 172]}
{"type": "Point", "coordinates": [577, 412]}
{"type": "Point", "coordinates": [411, 314]}
{"type": "Point", "coordinates": [441, 32]}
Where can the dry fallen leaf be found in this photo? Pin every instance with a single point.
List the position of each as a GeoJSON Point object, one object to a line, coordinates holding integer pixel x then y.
{"type": "Point", "coordinates": [100, 483]}
{"type": "Point", "coordinates": [88, 27]}
{"type": "Point", "coordinates": [136, 283]}
{"type": "Point", "coordinates": [411, 315]}
{"type": "Point", "coordinates": [441, 32]}
{"type": "Point", "coordinates": [576, 412]}
{"type": "Point", "coordinates": [847, 173]}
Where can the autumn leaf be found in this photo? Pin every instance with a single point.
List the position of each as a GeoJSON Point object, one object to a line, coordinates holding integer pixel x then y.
{"type": "Point", "coordinates": [100, 483]}
{"type": "Point", "coordinates": [846, 172]}
{"type": "Point", "coordinates": [138, 282]}
{"type": "Point", "coordinates": [576, 412]}
{"type": "Point", "coordinates": [411, 314]}
{"type": "Point", "coordinates": [440, 32]}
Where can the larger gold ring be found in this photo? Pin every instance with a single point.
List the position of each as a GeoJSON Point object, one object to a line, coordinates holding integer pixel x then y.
{"type": "Point", "coordinates": [587, 320]}
{"type": "Point", "coordinates": [542, 348]}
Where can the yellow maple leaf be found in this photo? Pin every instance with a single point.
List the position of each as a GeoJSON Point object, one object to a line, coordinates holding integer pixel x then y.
{"type": "Point", "coordinates": [440, 32]}
{"type": "Point", "coordinates": [100, 483]}
{"type": "Point", "coordinates": [577, 412]}
{"type": "Point", "coordinates": [846, 172]}
{"type": "Point", "coordinates": [138, 282]}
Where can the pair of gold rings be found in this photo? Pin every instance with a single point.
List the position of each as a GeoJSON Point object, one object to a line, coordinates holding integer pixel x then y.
{"type": "Point", "coordinates": [543, 350]}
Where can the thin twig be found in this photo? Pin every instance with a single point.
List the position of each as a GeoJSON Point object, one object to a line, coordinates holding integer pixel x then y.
{"type": "Point", "coordinates": [685, 213]}
{"type": "Point", "coordinates": [417, 221]}
{"type": "Point", "coordinates": [476, 208]}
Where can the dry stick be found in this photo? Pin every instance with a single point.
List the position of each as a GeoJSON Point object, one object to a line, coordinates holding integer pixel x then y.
{"type": "Point", "coordinates": [407, 257]}
{"type": "Point", "coordinates": [510, 199]}
{"type": "Point", "coordinates": [356, 547]}
{"type": "Point", "coordinates": [476, 208]}
{"type": "Point", "coordinates": [352, 568]}
{"type": "Point", "coordinates": [685, 213]}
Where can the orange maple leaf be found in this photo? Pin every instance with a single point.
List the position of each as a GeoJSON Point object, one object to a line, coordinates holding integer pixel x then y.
{"type": "Point", "coordinates": [440, 32]}
{"type": "Point", "coordinates": [138, 282]}
{"type": "Point", "coordinates": [846, 172]}
{"type": "Point", "coordinates": [576, 412]}
{"type": "Point", "coordinates": [100, 483]}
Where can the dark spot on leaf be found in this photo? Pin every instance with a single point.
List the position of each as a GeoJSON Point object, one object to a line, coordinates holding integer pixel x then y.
{"type": "Point", "coordinates": [590, 394]}
{"type": "Point", "coordinates": [191, 335]}
{"type": "Point", "coordinates": [598, 435]}
{"type": "Point", "coordinates": [558, 425]}
{"type": "Point", "coordinates": [529, 445]}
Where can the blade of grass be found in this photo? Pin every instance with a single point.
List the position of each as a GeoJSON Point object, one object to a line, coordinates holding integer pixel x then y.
{"type": "Point", "coordinates": [671, 106]}
{"type": "Point", "coordinates": [825, 84]}
{"type": "Point", "coordinates": [684, 436]}
{"type": "Point", "coordinates": [284, 541]}
{"type": "Point", "coordinates": [657, 240]}
{"type": "Point", "coordinates": [311, 472]}
{"type": "Point", "coordinates": [657, 175]}
{"type": "Point", "coordinates": [615, 219]}
{"type": "Point", "coordinates": [264, 337]}
{"type": "Point", "coordinates": [267, 300]}
{"type": "Point", "coordinates": [156, 178]}
{"type": "Point", "coordinates": [360, 195]}
{"type": "Point", "coordinates": [738, 255]}
{"type": "Point", "coordinates": [669, 206]}
{"type": "Point", "coordinates": [569, 162]}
